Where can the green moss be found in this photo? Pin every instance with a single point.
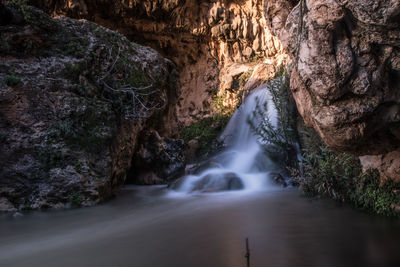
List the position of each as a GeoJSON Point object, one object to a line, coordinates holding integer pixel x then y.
{"type": "Point", "coordinates": [137, 78]}
{"type": "Point", "coordinates": [26, 208]}
{"type": "Point", "coordinates": [3, 136]}
{"type": "Point", "coordinates": [205, 131]}
{"type": "Point", "coordinates": [4, 44]}
{"type": "Point", "coordinates": [51, 158]}
{"type": "Point", "coordinates": [89, 131]}
{"type": "Point", "coordinates": [240, 81]}
{"type": "Point", "coordinates": [76, 48]}
{"type": "Point", "coordinates": [75, 200]}
{"type": "Point", "coordinates": [256, 58]}
{"type": "Point", "coordinates": [21, 6]}
{"type": "Point", "coordinates": [72, 72]}
{"type": "Point", "coordinates": [12, 80]}
{"type": "Point", "coordinates": [78, 166]}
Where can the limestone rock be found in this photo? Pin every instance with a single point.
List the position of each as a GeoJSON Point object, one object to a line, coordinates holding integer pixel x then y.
{"type": "Point", "coordinates": [204, 39]}
{"type": "Point", "coordinates": [65, 136]}
{"type": "Point", "coordinates": [345, 79]}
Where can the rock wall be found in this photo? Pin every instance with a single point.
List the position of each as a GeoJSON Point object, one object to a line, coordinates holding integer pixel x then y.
{"type": "Point", "coordinates": [211, 42]}
{"type": "Point", "coordinates": [346, 73]}
{"type": "Point", "coordinates": [68, 126]}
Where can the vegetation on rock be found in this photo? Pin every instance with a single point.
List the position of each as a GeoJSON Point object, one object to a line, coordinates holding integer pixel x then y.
{"type": "Point", "coordinates": [12, 80]}
{"type": "Point", "coordinates": [205, 131]}
{"type": "Point", "coordinates": [323, 172]}
{"type": "Point", "coordinates": [74, 98]}
{"type": "Point", "coordinates": [340, 176]}
{"type": "Point", "coordinates": [283, 137]}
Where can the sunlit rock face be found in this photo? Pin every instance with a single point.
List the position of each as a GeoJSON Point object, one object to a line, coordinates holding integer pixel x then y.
{"type": "Point", "coordinates": [346, 75]}
{"type": "Point", "coordinates": [67, 137]}
{"type": "Point", "coordinates": [211, 42]}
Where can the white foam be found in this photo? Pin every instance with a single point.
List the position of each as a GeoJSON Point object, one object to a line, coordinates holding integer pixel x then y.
{"type": "Point", "coordinates": [243, 156]}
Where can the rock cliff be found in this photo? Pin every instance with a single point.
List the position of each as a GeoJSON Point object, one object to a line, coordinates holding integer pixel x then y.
{"type": "Point", "coordinates": [345, 58]}
{"type": "Point", "coordinates": [346, 74]}
{"type": "Point", "coordinates": [212, 42]}
{"type": "Point", "coordinates": [74, 99]}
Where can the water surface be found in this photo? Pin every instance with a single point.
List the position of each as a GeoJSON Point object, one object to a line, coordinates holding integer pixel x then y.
{"type": "Point", "coordinates": [145, 226]}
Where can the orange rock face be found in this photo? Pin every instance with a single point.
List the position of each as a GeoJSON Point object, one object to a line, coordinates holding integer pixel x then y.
{"type": "Point", "coordinates": [203, 38]}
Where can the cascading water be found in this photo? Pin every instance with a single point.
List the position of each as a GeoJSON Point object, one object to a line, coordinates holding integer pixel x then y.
{"type": "Point", "coordinates": [242, 164]}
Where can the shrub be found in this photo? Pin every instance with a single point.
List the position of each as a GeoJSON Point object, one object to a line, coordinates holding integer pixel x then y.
{"type": "Point", "coordinates": [339, 176]}
{"type": "Point", "coordinates": [3, 137]}
{"type": "Point", "coordinates": [75, 48]}
{"type": "Point", "coordinates": [51, 158]}
{"type": "Point", "coordinates": [282, 136]}
{"type": "Point", "coordinates": [75, 200]}
{"type": "Point", "coordinates": [21, 6]}
{"type": "Point", "coordinates": [325, 173]}
{"type": "Point", "coordinates": [12, 80]}
{"type": "Point", "coordinates": [205, 131]}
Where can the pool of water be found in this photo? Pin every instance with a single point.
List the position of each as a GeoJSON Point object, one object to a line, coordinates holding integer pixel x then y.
{"type": "Point", "coordinates": [147, 226]}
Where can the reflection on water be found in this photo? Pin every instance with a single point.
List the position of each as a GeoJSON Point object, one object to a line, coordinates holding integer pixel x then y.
{"type": "Point", "coordinates": [146, 227]}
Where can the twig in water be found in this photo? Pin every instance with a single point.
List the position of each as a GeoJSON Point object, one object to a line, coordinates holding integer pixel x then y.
{"type": "Point", "coordinates": [247, 255]}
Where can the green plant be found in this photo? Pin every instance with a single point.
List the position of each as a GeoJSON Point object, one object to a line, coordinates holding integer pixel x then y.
{"type": "Point", "coordinates": [75, 48]}
{"type": "Point", "coordinates": [63, 129]}
{"type": "Point", "coordinates": [72, 72]}
{"type": "Point", "coordinates": [3, 136]}
{"type": "Point", "coordinates": [51, 158]}
{"type": "Point", "coordinates": [4, 44]}
{"type": "Point", "coordinates": [78, 166]}
{"type": "Point", "coordinates": [205, 131]}
{"type": "Point", "coordinates": [85, 131]}
{"type": "Point", "coordinates": [21, 6]}
{"type": "Point", "coordinates": [75, 200]}
{"type": "Point", "coordinates": [339, 176]}
{"type": "Point", "coordinates": [12, 80]}
{"type": "Point", "coordinates": [256, 58]}
{"type": "Point", "coordinates": [127, 86]}
{"type": "Point", "coordinates": [240, 81]}
{"type": "Point", "coordinates": [217, 104]}
{"type": "Point", "coordinates": [283, 135]}
{"type": "Point", "coordinates": [27, 207]}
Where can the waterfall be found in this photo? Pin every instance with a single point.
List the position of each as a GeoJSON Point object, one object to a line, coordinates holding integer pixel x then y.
{"type": "Point", "coordinates": [243, 164]}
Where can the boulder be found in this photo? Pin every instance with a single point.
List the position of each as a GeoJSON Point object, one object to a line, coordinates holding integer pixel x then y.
{"type": "Point", "coordinates": [218, 182]}
{"type": "Point", "coordinates": [162, 157]}
{"type": "Point", "coordinates": [68, 131]}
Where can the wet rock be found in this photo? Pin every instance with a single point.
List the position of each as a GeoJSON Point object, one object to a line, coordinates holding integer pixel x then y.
{"type": "Point", "coordinates": [278, 178]}
{"type": "Point", "coordinates": [191, 149]}
{"type": "Point", "coordinates": [218, 182]}
{"type": "Point", "coordinates": [158, 159]}
{"type": "Point", "coordinates": [17, 215]}
{"type": "Point", "coordinates": [6, 206]}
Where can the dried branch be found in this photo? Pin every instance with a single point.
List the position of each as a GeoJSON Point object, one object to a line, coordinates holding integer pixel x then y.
{"type": "Point", "coordinates": [112, 66]}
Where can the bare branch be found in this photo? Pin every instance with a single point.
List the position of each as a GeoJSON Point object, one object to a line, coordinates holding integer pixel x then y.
{"type": "Point", "coordinates": [112, 66]}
